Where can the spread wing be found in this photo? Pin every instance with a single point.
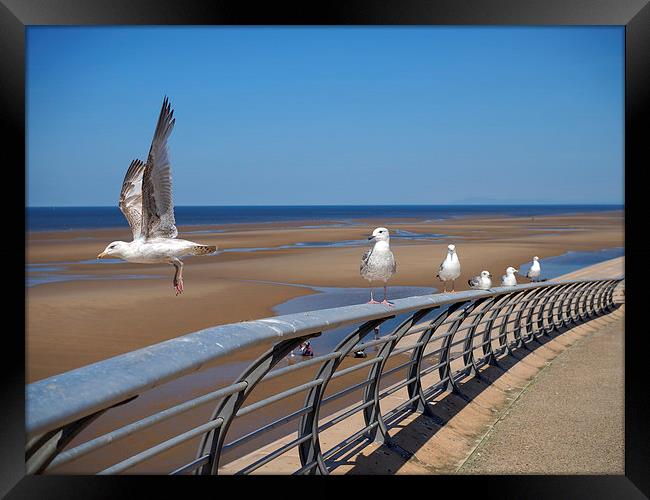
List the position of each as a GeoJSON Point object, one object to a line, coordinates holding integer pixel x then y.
{"type": "Point", "coordinates": [131, 197]}
{"type": "Point", "coordinates": [157, 205]}
{"type": "Point", "coordinates": [364, 260]}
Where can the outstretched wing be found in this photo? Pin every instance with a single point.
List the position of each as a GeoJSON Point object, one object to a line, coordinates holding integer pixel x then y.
{"type": "Point", "coordinates": [157, 205]}
{"type": "Point", "coordinates": [131, 197]}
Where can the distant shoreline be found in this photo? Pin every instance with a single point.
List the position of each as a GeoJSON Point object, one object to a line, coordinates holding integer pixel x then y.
{"type": "Point", "coordinates": [41, 219]}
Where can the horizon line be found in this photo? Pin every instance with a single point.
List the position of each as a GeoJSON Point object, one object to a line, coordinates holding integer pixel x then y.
{"type": "Point", "coordinates": [360, 205]}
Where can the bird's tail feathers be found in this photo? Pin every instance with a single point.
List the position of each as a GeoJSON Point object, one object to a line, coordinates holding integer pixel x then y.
{"type": "Point", "coordinates": [203, 249]}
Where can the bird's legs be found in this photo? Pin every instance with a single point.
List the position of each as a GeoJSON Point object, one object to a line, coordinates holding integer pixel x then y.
{"type": "Point", "coordinates": [372, 299]}
{"type": "Point", "coordinates": [385, 301]}
{"type": "Point", "coordinates": [452, 286]}
{"type": "Point", "coordinates": [178, 275]}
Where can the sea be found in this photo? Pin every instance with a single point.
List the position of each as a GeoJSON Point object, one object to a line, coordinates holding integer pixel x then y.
{"type": "Point", "coordinates": [74, 218]}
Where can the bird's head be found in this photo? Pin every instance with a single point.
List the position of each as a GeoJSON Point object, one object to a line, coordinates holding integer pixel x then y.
{"type": "Point", "coordinates": [511, 270]}
{"type": "Point", "coordinates": [485, 274]}
{"type": "Point", "coordinates": [379, 234]}
{"type": "Point", "coordinates": [114, 249]}
{"type": "Point", "coordinates": [536, 258]}
{"type": "Point", "coordinates": [451, 248]}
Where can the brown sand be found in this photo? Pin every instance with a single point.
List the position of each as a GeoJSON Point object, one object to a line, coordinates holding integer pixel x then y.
{"type": "Point", "coordinates": [75, 323]}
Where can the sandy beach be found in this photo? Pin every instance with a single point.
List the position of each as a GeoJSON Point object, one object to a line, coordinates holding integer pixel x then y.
{"type": "Point", "coordinates": [81, 321]}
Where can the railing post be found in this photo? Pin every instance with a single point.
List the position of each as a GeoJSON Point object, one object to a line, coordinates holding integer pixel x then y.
{"type": "Point", "coordinates": [600, 298]}
{"type": "Point", "coordinates": [575, 304]}
{"type": "Point", "coordinates": [415, 387]}
{"type": "Point", "coordinates": [503, 327]}
{"type": "Point", "coordinates": [530, 326]}
{"type": "Point", "coordinates": [229, 406]}
{"type": "Point", "coordinates": [563, 315]}
{"type": "Point", "coordinates": [309, 450]}
{"type": "Point", "coordinates": [549, 309]}
{"type": "Point", "coordinates": [610, 296]}
{"type": "Point", "coordinates": [525, 307]}
{"type": "Point", "coordinates": [468, 345]}
{"type": "Point", "coordinates": [445, 353]}
{"type": "Point", "coordinates": [488, 352]}
{"type": "Point", "coordinates": [372, 413]}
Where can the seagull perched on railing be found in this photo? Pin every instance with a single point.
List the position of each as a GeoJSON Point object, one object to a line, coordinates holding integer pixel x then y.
{"type": "Point", "coordinates": [509, 279]}
{"type": "Point", "coordinates": [378, 263]}
{"type": "Point", "coordinates": [481, 282]}
{"type": "Point", "coordinates": [535, 270]}
{"type": "Point", "coordinates": [450, 268]}
{"type": "Point", "coordinates": [146, 202]}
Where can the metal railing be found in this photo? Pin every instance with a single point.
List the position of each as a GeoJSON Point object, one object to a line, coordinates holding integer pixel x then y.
{"type": "Point", "coordinates": [437, 341]}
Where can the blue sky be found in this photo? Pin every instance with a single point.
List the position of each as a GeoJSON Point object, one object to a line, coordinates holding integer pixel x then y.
{"type": "Point", "coordinates": [330, 115]}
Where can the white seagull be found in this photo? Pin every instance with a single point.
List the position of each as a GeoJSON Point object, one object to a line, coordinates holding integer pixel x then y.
{"type": "Point", "coordinates": [481, 282]}
{"type": "Point", "coordinates": [535, 270]}
{"type": "Point", "coordinates": [450, 268]}
{"type": "Point", "coordinates": [509, 279]}
{"type": "Point", "coordinates": [146, 202]}
{"type": "Point", "coordinates": [378, 262]}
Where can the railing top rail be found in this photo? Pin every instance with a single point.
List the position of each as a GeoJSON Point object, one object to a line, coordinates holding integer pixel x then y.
{"type": "Point", "coordinates": [64, 398]}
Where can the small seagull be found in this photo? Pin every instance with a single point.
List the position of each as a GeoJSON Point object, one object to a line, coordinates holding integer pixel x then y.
{"type": "Point", "coordinates": [535, 270]}
{"type": "Point", "coordinates": [509, 279]}
{"type": "Point", "coordinates": [481, 282]}
{"type": "Point", "coordinates": [450, 268]}
{"type": "Point", "coordinates": [146, 202]}
{"type": "Point", "coordinates": [378, 263]}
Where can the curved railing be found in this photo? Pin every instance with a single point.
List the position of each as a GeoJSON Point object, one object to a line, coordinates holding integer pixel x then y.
{"type": "Point", "coordinates": [430, 344]}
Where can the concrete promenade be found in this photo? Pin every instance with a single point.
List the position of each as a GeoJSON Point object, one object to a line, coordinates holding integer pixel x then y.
{"type": "Point", "coordinates": [557, 408]}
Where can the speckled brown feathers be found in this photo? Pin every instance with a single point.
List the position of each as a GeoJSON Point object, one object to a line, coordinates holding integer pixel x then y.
{"type": "Point", "coordinates": [131, 197]}
{"type": "Point", "coordinates": [158, 207]}
{"type": "Point", "coordinates": [203, 249]}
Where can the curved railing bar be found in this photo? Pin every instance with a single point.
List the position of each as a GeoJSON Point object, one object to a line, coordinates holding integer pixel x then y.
{"type": "Point", "coordinates": [533, 325]}
{"type": "Point", "coordinates": [229, 406]}
{"type": "Point", "coordinates": [529, 300]}
{"type": "Point", "coordinates": [468, 346]}
{"type": "Point", "coordinates": [309, 450]}
{"type": "Point", "coordinates": [415, 389]}
{"type": "Point", "coordinates": [372, 413]}
{"type": "Point", "coordinates": [445, 355]}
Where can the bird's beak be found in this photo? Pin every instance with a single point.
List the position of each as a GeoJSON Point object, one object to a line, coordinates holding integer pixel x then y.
{"type": "Point", "coordinates": [370, 238]}
{"type": "Point", "coordinates": [516, 270]}
{"type": "Point", "coordinates": [489, 275]}
{"type": "Point", "coordinates": [101, 255]}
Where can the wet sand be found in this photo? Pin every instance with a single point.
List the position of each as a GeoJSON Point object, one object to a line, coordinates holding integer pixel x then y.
{"type": "Point", "coordinates": [75, 323]}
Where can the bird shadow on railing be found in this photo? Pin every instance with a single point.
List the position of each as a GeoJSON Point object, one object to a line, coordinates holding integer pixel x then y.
{"type": "Point", "coordinates": [410, 432]}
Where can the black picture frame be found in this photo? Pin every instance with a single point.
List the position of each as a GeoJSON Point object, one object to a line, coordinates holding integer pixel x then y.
{"type": "Point", "coordinates": [15, 15]}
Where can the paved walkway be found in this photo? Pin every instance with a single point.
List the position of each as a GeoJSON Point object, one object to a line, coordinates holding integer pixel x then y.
{"type": "Point", "coordinates": [569, 420]}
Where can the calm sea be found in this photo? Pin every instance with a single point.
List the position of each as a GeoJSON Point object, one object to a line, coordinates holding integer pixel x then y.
{"type": "Point", "coordinates": [68, 218]}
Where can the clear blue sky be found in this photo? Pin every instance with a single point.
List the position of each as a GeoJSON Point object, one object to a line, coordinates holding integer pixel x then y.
{"type": "Point", "coordinates": [330, 115]}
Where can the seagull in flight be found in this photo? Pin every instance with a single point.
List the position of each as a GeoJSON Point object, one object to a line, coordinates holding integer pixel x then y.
{"type": "Point", "coordinates": [378, 263]}
{"type": "Point", "coordinates": [146, 202]}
